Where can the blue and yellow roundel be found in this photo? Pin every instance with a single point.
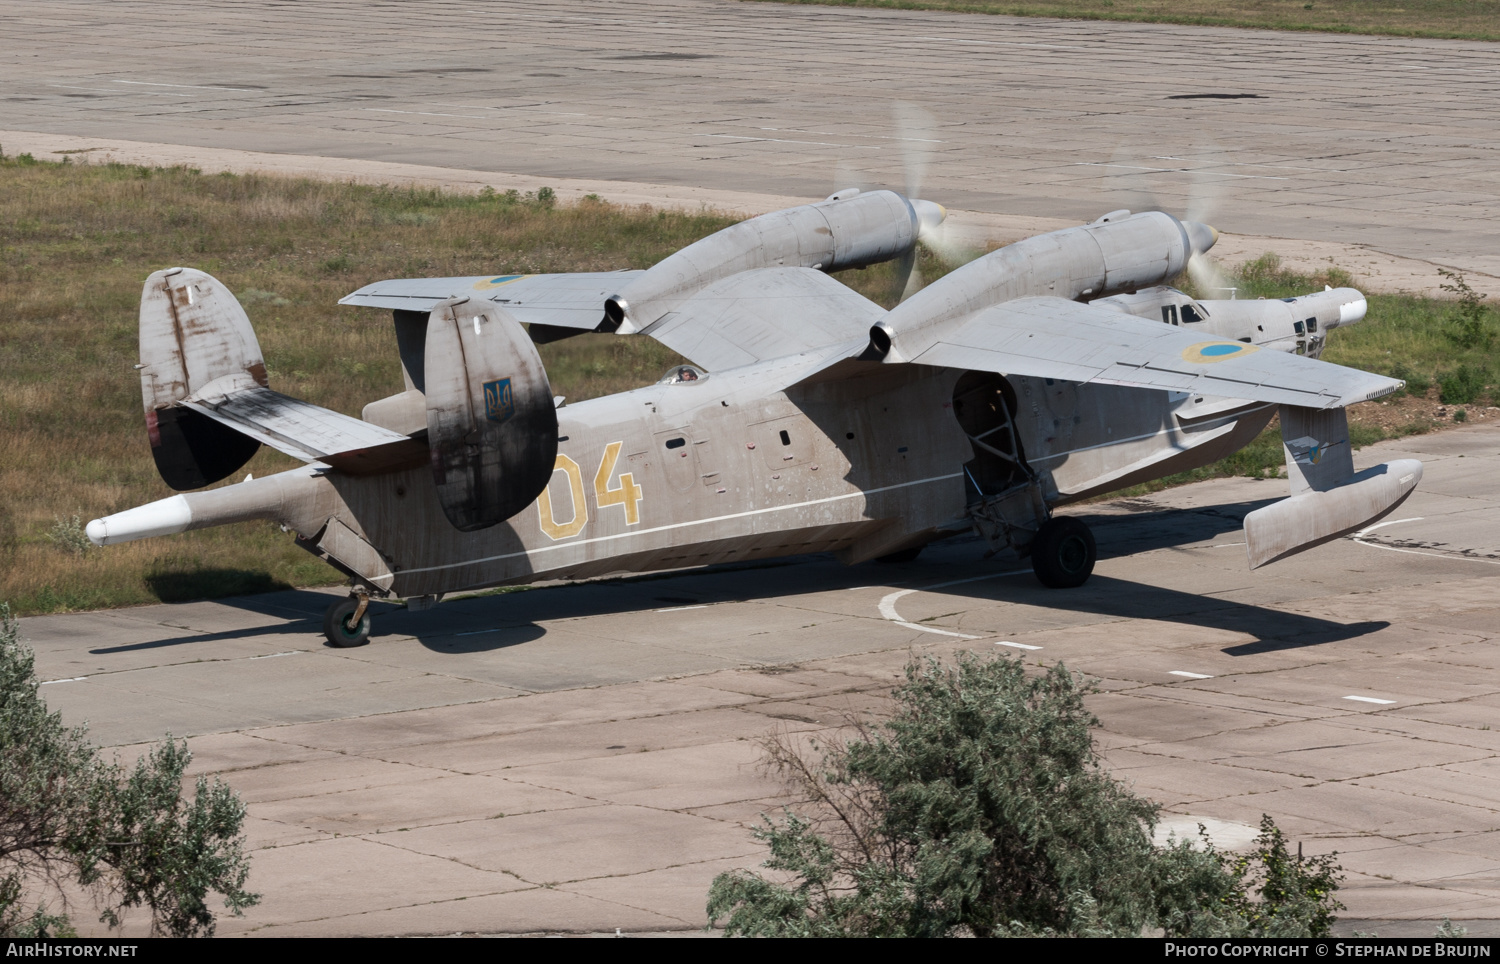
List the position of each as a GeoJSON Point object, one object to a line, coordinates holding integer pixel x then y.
{"type": "Point", "coordinates": [505, 279]}
{"type": "Point", "coordinates": [1216, 351]}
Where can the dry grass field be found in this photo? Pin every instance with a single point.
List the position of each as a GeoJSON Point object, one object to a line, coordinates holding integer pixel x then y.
{"type": "Point", "coordinates": [1457, 19]}
{"type": "Point", "coordinates": [76, 242]}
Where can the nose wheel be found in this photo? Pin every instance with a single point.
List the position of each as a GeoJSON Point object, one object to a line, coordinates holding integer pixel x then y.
{"type": "Point", "coordinates": [347, 622]}
{"type": "Point", "coordinates": [1063, 553]}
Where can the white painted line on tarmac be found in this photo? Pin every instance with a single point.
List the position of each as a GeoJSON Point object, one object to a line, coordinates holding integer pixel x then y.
{"type": "Point", "coordinates": [1369, 699]}
{"type": "Point", "coordinates": [1359, 538]}
{"type": "Point", "coordinates": [678, 609]}
{"type": "Point", "coordinates": [71, 679]}
{"type": "Point", "coordinates": [888, 611]}
{"type": "Point", "coordinates": [1184, 673]}
{"type": "Point", "coordinates": [477, 632]}
{"type": "Point", "coordinates": [1381, 525]}
{"type": "Point", "coordinates": [888, 603]}
{"type": "Point", "coordinates": [1006, 642]}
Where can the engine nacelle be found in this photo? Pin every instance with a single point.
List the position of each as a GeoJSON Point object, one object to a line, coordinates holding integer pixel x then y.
{"type": "Point", "coordinates": [1119, 252]}
{"type": "Point", "coordinates": [491, 420]}
{"type": "Point", "coordinates": [845, 232]}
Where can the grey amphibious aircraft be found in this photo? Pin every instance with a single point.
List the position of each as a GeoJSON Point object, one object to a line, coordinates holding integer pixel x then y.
{"type": "Point", "coordinates": [811, 419]}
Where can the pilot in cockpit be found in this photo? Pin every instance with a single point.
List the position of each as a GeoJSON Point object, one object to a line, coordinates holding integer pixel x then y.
{"type": "Point", "coordinates": [682, 373]}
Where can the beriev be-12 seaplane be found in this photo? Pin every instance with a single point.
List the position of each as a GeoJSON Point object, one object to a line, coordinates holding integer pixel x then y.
{"type": "Point", "coordinates": [810, 420]}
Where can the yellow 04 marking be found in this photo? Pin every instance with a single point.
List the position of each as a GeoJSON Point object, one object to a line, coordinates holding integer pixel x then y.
{"type": "Point", "coordinates": [627, 493]}
{"type": "Point", "coordinates": [573, 526]}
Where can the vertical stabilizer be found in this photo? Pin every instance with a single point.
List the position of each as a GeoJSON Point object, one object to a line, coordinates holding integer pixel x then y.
{"type": "Point", "coordinates": [193, 334]}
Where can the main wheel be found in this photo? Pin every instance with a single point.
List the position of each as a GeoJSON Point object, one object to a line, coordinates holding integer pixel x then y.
{"type": "Point", "coordinates": [1063, 553]}
{"type": "Point", "coordinates": [339, 625]}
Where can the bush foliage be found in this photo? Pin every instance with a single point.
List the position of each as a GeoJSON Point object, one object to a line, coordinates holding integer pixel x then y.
{"type": "Point", "coordinates": [128, 837]}
{"type": "Point", "coordinates": [981, 808]}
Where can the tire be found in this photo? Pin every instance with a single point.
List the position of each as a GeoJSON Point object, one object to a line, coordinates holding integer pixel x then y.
{"type": "Point", "coordinates": [336, 625]}
{"type": "Point", "coordinates": [1063, 553]}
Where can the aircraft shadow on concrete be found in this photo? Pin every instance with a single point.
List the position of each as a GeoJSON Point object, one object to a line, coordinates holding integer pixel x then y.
{"type": "Point", "coordinates": [486, 623]}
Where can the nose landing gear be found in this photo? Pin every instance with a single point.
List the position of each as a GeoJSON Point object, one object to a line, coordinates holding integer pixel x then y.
{"type": "Point", "coordinates": [347, 621]}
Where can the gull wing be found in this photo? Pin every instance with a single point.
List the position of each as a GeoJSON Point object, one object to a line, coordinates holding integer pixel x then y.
{"type": "Point", "coordinates": [1057, 338]}
{"type": "Point", "coordinates": [559, 300]}
{"type": "Point", "coordinates": [763, 314]}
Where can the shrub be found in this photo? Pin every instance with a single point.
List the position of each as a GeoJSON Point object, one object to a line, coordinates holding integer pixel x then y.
{"type": "Point", "coordinates": [69, 536]}
{"type": "Point", "coordinates": [1463, 385]}
{"type": "Point", "coordinates": [981, 808]}
{"type": "Point", "coordinates": [128, 837]}
{"type": "Point", "coordinates": [1468, 326]}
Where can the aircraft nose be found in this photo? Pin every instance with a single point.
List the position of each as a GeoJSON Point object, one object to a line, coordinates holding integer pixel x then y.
{"type": "Point", "coordinates": [1201, 236]}
{"type": "Point", "coordinates": [929, 215]}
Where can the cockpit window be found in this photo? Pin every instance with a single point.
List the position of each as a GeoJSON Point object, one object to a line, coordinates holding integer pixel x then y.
{"type": "Point", "coordinates": [682, 373]}
{"type": "Point", "coordinates": [1190, 314]}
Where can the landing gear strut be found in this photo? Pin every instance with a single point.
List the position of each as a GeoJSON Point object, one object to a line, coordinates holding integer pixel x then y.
{"type": "Point", "coordinates": [1063, 553]}
{"type": "Point", "coordinates": [347, 622]}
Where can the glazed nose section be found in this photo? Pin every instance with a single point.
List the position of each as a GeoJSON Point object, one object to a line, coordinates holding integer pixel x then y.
{"type": "Point", "coordinates": [929, 215]}
{"type": "Point", "coordinates": [1201, 236]}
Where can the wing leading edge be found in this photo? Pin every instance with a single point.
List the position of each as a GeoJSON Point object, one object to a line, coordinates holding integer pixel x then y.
{"type": "Point", "coordinates": [1057, 338]}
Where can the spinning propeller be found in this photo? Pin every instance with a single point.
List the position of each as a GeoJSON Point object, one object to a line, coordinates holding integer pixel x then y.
{"type": "Point", "coordinates": [914, 129]}
{"type": "Point", "coordinates": [1146, 190]}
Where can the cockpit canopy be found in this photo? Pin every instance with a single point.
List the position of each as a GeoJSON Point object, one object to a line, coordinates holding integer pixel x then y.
{"type": "Point", "coordinates": [679, 374]}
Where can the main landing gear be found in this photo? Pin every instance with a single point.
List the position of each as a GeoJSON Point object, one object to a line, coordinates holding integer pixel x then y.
{"type": "Point", "coordinates": [347, 621]}
{"type": "Point", "coordinates": [1063, 553]}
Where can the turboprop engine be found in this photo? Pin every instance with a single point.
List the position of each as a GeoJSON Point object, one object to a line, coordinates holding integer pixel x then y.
{"type": "Point", "coordinates": [1118, 252]}
{"type": "Point", "coordinates": [491, 419]}
{"type": "Point", "coordinates": [845, 231]}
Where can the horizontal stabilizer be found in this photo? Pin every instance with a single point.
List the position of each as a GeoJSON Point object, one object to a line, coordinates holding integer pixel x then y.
{"type": "Point", "coordinates": [1298, 523]}
{"type": "Point", "coordinates": [307, 431]}
{"type": "Point", "coordinates": [1056, 338]}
